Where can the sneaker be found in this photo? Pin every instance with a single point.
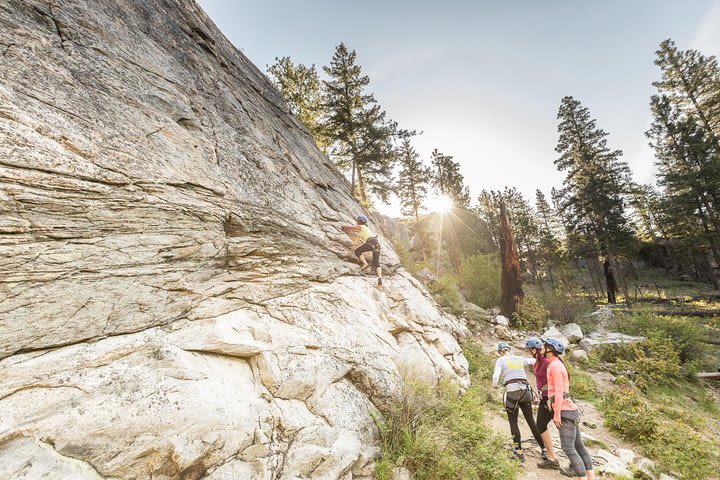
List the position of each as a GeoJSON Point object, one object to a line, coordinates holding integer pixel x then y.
{"type": "Point", "coordinates": [567, 471]}
{"type": "Point", "coordinates": [379, 281]}
{"type": "Point", "coordinates": [548, 464]}
{"type": "Point", "coordinates": [519, 454]}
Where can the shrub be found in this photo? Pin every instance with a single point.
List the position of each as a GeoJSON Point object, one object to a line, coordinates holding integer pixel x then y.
{"type": "Point", "coordinates": [438, 434]}
{"type": "Point", "coordinates": [652, 362]}
{"type": "Point", "coordinates": [663, 433]}
{"type": "Point", "coordinates": [648, 363]}
{"type": "Point", "coordinates": [480, 279]}
{"type": "Point", "coordinates": [565, 307]}
{"type": "Point", "coordinates": [532, 315]}
{"type": "Point", "coordinates": [446, 293]}
{"type": "Point", "coordinates": [627, 412]}
{"type": "Point", "coordinates": [582, 385]}
{"type": "Point", "coordinates": [687, 335]}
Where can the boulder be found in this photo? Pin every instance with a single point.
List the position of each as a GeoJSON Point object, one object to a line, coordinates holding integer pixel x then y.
{"type": "Point", "coordinates": [503, 333]}
{"type": "Point", "coordinates": [426, 276]}
{"type": "Point", "coordinates": [474, 312]}
{"type": "Point", "coordinates": [502, 320]}
{"type": "Point", "coordinates": [555, 333]}
{"type": "Point", "coordinates": [611, 338]}
{"type": "Point", "coordinates": [578, 355]}
{"type": "Point", "coordinates": [614, 466]}
{"type": "Point", "coordinates": [401, 473]}
{"type": "Point", "coordinates": [600, 317]}
{"type": "Point", "coordinates": [572, 332]}
{"type": "Point", "coordinates": [627, 456]}
{"type": "Point", "coordinates": [646, 466]}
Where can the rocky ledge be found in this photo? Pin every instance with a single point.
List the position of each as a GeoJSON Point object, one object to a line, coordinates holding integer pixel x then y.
{"type": "Point", "coordinates": [176, 298]}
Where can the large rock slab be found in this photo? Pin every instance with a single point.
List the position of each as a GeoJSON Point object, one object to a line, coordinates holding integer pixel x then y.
{"type": "Point", "coordinates": [176, 297]}
{"type": "Point", "coordinates": [553, 332]}
{"type": "Point", "coordinates": [609, 338]}
{"type": "Point", "coordinates": [572, 332]}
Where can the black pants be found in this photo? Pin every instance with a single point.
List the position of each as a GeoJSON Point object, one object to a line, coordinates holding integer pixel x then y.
{"type": "Point", "coordinates": [544, 416]}
{"type": "Point", "coordinates": [372, 245]}
{"type": "Point", "coordinates": [514, 402]}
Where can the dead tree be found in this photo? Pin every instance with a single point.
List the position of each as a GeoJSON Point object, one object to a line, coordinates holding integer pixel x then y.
{"type": "Point", "coordinates": [512, 293]}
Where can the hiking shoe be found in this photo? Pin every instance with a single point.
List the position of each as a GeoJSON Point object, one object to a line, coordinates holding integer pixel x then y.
{"type": "Point", "coordinates": [567, 471]}
{"type": "Point", "coordinates": [548, 464]}
{"type": "Point", "coordinates": [379, 281]}
{"type": "Point", "coordinates": [520, 455]}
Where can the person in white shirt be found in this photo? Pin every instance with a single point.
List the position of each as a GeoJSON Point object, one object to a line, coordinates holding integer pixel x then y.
{"type": "Point", "coordinates": [518, 394]}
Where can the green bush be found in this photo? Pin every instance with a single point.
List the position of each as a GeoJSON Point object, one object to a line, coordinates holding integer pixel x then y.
{"type": "Point", "coordinates": [652, 362]}
{"type": "Point", "coordinates": [565, 307]}
{"type": "Point", "coordinates": [480, 279]}
{"type": "Point", "coordinates": [666, 434]}
{"type": "Point", "coordinates": [532, 315]}
{"type": "Point", "coordinates": [582, 385]}
{"type": "Point", "coordinates": [648, 363]}
{"type": "Point", "coordinates": [439, 434]}
{"type": "Point", "coordinates": [627, 412]}
{"type": "Point", "coordinates": [446, 293]}
{"type": "Point", "coordinates": [406, 257]}
{"type": "Point", "coordinates": [687, 335]}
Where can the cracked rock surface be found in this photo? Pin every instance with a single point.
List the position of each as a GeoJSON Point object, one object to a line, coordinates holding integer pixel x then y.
{"type": "Point", "coordinates": [176, 298]}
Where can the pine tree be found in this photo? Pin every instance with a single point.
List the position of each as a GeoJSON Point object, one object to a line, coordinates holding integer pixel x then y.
{"type": "Point", "coordinates": [414, 179]}
{"type": "Point", "coordinates": [596, 179]}
{"type": "Point", "coordinates": [448, 179]}
{"type": "Point", "coordinates": [361, 136]}
{"type": "Point", "coordinates": [592, 198]}
{"type": "Point", "coordinates": [549, 246]}
{"type": "Point", "coordinates": [299, 86]}
{"type": "Point", "coordinates": [689, 172]}
{"type": "Point", "coordinates": [691, 81]}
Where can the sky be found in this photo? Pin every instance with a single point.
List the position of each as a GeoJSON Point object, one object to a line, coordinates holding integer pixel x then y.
{"type": "Point", "coordinates": [483, 79]}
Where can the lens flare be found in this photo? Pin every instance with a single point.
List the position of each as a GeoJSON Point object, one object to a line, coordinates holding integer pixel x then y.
{"type": "Point", "coordinates": [441, 204]}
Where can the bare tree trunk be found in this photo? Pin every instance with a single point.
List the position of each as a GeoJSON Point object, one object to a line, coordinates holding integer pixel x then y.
{"type": "Point", "coordinates": [621, 273]}
{"type": "Point", "coordinates": [610, 281]}
{"type": "Point", "coordinates": [352, 183]}
{"type": "Point", "coordinates": [592, 278]}
{"type": "Point", "coordinates": [512, 293]}
{"type": "Point", "coordinates": [597, 272]}
{"type": "Point", "coordinates": [533, 265]}
{"type": "Point", "coordinates": [361, 189]}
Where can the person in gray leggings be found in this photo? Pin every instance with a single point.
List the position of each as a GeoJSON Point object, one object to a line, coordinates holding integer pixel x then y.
{"type": "Point", "coordinates": [566, 414]}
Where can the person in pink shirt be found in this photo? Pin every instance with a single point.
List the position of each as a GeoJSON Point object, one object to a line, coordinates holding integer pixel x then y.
{"type": "Point", "coordinates": [566, 414]}
{"type": "Point", "coordinates": [544, 416]}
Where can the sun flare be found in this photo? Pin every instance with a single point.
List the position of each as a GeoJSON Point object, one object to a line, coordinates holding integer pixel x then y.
{"type": "Point", "coordinates": [441, 204]}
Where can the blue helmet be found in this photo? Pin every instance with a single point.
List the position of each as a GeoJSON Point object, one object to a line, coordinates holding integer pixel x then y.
{"type": "Point", "coordinates": [556, 345]}
{"type": "Point", "coordinates": [533, 342]}
{"type": "Point", "coordinates": [503, 346]}
{"type": "Point", "coordinates": [362, 219]}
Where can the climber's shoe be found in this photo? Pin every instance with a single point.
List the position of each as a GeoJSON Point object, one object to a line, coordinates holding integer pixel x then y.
{"type": "Point", "coordinates": [568, 471]}
{"type": "Point", "coordinates": [519, 455]}
{"type": "Point", "coordinates": [380, 281]}
{"type": "Point", "coordinates": [548, 464]}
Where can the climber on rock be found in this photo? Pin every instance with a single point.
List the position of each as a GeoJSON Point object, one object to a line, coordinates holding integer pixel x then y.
{"type": "Point", "coordinates": [370, 244]}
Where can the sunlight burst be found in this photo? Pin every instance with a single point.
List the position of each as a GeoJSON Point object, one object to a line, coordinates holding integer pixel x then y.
{"type": "Point", "coordinates": [441, 204]}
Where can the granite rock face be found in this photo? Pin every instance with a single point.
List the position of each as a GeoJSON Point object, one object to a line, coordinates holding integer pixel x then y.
{"type": "Point", "coordinates": [176, 298]}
